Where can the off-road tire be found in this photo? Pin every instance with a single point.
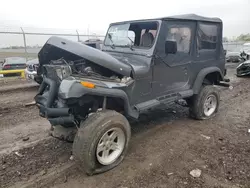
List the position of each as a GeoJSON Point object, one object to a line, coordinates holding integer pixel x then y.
{"type": "Point", "coordinates": [196, 102]}
{"type": "Point", "coordinates": [90, 132]}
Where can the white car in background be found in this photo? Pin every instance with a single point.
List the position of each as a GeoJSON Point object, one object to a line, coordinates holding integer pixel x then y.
{"type": "Point", "coordinates": [246, 50]}
{"type": "Point", "coordinates": [31, 68]}
{"type": "Point", "coordinates": [246, 44]}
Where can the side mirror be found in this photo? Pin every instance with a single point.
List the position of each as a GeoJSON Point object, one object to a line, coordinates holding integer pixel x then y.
{"type": "Point", "coordinates": [170, 47]}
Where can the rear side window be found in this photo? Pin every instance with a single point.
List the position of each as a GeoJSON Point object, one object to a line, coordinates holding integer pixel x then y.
{"type": "Point", "coordinates": [207, 36]}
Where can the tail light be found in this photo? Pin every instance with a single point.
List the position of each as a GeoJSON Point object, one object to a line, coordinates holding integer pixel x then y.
{"type": "Point", "coordinates": [6, 66]}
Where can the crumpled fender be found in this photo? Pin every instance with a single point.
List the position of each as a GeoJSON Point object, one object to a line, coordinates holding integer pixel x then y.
{"type": "Point", "coordinates": [73, 89]}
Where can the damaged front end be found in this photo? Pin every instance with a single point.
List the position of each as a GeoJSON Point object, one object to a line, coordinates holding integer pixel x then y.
{"type": "Point", "coordinates": [243, 69]}
{"type": "Point", "coordinates": [79, 80]}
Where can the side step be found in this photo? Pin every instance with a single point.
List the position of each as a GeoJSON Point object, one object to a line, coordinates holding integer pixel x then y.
{"type": "Point", "coordinates": [165, 99]}
{"type": "Point", "coordinates": [141, 107]}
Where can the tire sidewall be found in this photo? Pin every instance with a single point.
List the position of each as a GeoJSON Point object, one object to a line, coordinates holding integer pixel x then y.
{"type": "Point", "coordinates": [213, 91]}
{"type": "Point", "coordinates": [89, 159]}
{"type": "Point", "coordinates": [99, 134]}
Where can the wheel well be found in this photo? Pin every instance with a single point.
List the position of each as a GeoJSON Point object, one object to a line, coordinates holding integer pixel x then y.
{"type": "Point", "coordinates": [116, 104]}
{"type": "Point", "coordinates": [212, 78]}
{"type": "Point", "coordinates": [94, 102]}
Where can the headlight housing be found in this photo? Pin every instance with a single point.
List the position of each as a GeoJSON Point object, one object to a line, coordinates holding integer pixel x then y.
{"type": "Point", "coordinates": [63, 71]}
{"type": "Point", "coordinates": [57, 72]}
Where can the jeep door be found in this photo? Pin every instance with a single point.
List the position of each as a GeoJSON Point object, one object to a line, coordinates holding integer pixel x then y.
{"type": "Point", "coordinates": [171, 70]}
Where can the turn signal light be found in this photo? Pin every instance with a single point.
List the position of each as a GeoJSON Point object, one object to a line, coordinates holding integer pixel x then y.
{"type": "Point", "coordinates": [88, 84]}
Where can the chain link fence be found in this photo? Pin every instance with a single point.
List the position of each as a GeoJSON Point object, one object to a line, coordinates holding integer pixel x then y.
{"type": "Point", "coordinates": [27, 42]}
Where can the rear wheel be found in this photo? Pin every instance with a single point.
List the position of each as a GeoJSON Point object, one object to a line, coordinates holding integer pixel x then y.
{"type": "Point", "coordinates": [205, 104]}
{"type": "Point", "coordinates": [101, 142]}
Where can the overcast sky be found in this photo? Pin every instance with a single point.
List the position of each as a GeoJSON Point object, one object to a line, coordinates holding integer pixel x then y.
{"type": "Point", "coordinates": [81, 14]}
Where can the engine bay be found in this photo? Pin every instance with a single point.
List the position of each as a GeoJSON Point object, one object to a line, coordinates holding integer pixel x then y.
{"type": "Point", "coordinates": [62, 69]}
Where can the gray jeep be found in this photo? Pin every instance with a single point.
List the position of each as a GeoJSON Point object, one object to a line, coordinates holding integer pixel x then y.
{"type": "Point", "coordinates": [142, 65]}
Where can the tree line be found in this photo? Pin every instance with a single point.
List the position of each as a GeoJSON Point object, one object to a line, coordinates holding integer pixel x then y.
{"type": "Point", "coordinates": [242, 37]}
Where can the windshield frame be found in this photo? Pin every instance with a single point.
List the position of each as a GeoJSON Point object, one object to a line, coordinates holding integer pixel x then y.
{"type": "Point", "coordinates": [138, 48]}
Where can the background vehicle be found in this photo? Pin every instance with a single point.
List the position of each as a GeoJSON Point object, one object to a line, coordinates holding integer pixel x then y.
{"type": "Point", "coordinates": [143, 64]}
{"type": "Point", "coordinates": [243, 69]}
{"type": "Point", "coordinates": [247, 44]}
{"type": "Point", "coordinates": [245, 51]}
{"type": "Point", "coordinates": [14, 63]}
{"type": "Point", "coordinates": [234, 57]}
{"type": "Point", "coordinates": [95, 43]}
{"type": "Point", "coordinates": [31, 68]}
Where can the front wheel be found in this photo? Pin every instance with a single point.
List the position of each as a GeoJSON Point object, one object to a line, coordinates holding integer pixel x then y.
{"type": "Point", "coordinates": [205, 104]}
{"type": "Point", "coordinates": [101, 142]}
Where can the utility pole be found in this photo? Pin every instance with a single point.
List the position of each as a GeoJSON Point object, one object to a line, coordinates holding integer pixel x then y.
{"type": "Point", "coordinates": [25, 46]}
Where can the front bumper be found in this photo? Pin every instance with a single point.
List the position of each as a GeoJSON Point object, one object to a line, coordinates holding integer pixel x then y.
{"type": "Point", "coordinates": [30, 74]}
{"type": "Point", "coordinates": [53, 101]}
{"type": "Point", "coordinates": [45, 100]}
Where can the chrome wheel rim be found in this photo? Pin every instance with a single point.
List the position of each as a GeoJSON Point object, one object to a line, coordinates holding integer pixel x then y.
{"type": "Point", "coordinates": [210, 105]}
{"type": "Point", "coordinates": [110, 146]}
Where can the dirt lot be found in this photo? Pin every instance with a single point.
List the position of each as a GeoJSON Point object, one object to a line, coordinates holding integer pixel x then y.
{"type": "Point", "coordinates": [165, 146]}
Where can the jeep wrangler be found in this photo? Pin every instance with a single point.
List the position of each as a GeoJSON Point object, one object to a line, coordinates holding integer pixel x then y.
{"type": "Point", "coordinates": [142, 65]}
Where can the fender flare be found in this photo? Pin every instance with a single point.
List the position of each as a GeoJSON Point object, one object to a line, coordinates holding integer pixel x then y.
{"type": "Point", "coordinates": [202, 74]}
{"type": "Point", "coordinates": [73, 89]}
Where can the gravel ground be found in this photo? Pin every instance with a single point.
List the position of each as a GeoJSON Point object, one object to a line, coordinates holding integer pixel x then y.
{"type": "Point", "coordinates": [165, 146]}
{"type": "Point", "coordinates": [13, 110]}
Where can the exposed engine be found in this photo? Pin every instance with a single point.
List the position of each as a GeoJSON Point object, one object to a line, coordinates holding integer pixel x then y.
{"type": "Point", "coordinates": [62, 68]}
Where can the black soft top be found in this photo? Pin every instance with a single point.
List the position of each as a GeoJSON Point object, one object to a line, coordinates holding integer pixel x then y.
{"type": "Point", "coordinates": [193, 17]}
{"type": "Point", "coordinates": [190, 17]}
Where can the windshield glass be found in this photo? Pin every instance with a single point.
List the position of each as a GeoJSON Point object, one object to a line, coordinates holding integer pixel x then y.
{"type": "Point", "coordinates": [137, 34]}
